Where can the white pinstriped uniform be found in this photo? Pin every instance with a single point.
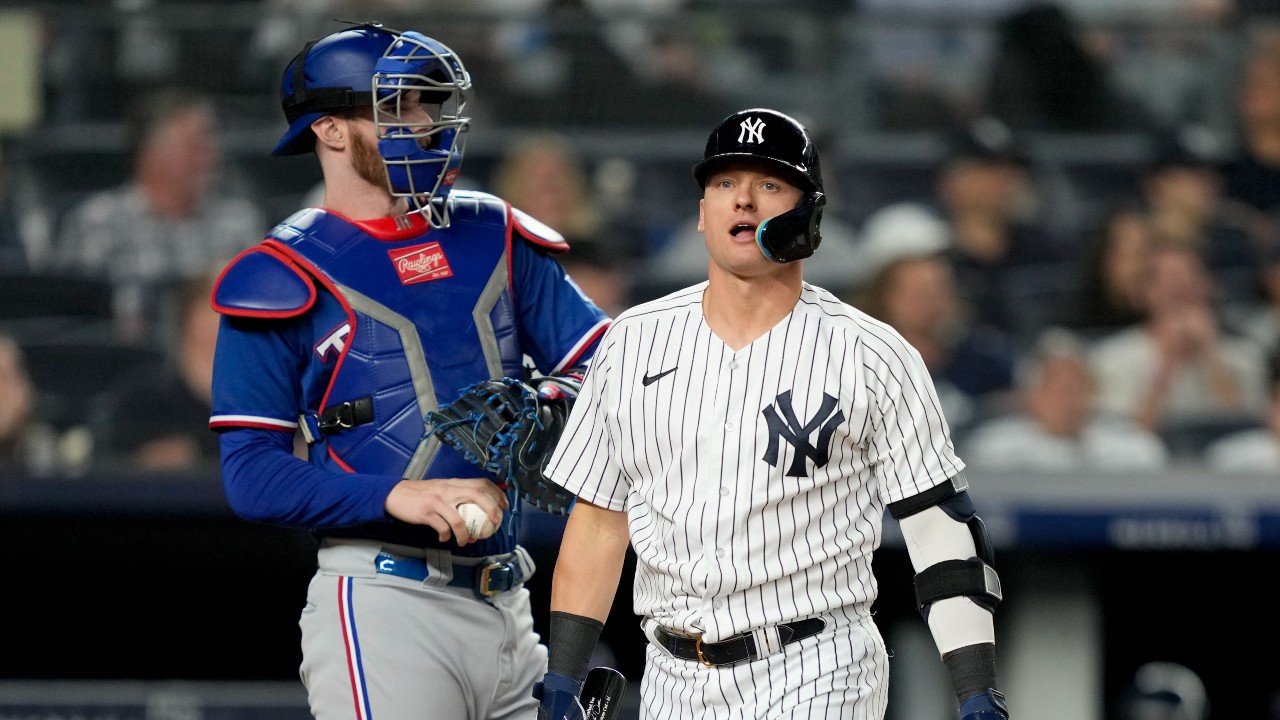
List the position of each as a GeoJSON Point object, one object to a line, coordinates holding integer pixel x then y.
{"type": "Point", "coordinates": [728, 541]}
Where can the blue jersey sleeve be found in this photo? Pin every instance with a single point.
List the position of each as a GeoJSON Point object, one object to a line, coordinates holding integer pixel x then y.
{"type": "Point", "coordinates": [265, 482]}
{"type": "Point", "coordinates": [265, 373]}
{"type": "Point", "coordinates": [559, 325]}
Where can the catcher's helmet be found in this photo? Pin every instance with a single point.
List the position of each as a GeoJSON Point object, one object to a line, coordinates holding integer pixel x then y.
{"type": "Point", "coordinates": [771, 136]}
{"type": "Point", "coordinates": [329, 75]}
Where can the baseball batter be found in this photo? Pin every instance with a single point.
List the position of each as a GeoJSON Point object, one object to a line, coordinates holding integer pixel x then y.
{"type": "Point", "coordinates": [746, 436]}
{"type": "Point", "coordinates": [345, 326]}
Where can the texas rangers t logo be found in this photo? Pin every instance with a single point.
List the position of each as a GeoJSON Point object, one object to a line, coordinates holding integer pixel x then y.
{"type": "Point", "coordinates": [752, 130]}
{"type": "Point", "coordinates": [797, 434]}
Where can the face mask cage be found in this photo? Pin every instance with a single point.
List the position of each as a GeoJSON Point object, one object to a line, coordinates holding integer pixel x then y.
{"type": "Point", "coordinates": [420, 94]}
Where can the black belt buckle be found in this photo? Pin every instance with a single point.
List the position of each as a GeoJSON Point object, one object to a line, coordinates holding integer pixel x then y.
{"type": "Point", "coordinates": [485, 583]}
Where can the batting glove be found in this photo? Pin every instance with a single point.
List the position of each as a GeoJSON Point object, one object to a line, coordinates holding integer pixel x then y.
{"type": "Point", "coordinates": [986, 705]}
{"type": "Point", "coordinates": [558, 695]}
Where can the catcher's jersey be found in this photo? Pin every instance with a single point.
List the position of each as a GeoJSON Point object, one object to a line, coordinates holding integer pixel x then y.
{"type": "Point", "coordinates": [330, 311]}
{"type": "Point", "coordinates": [754, 481]}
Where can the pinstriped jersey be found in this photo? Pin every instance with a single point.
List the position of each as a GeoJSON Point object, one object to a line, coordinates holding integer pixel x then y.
{"type": "Point", "coordinates": [755, 481]}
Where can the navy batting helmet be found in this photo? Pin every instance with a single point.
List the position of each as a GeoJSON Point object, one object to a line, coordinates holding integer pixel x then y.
{"type": "Point", "coordinates": [329, 75]}
{"type": "Point", "coordinates": [766, 135]}
{"type": "Point", "coordinates": [771, 136]}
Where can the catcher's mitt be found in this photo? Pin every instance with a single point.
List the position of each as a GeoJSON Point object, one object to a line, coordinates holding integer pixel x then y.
{"type": "Point", "coordinates": [509, 429]}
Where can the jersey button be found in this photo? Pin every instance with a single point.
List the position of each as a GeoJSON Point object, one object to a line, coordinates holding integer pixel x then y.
{"type": "Point", "coordinates": [724, 491]}
{"type": "Point", "coordinates": [733, 364]}
{"type": "Point", "coordinates": [719, 552]}
{"type": "Point", "coordinates": [728, 426]}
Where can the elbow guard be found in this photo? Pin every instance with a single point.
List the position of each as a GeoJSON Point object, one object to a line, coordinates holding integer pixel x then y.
{"type": "Point", "coordinates": [973, 577]}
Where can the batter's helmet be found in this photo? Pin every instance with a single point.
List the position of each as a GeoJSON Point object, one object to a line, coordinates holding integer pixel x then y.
{"type": "Point", "coordinates": [766, 135]}
{"type": "Point", "coordinates": [332, 74]}
{"type": "Point", "coordinates": [771, 136]}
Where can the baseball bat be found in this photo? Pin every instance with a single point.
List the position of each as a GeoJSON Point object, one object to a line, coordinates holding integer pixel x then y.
{"type": "Point", "coordinates": [602, 692]}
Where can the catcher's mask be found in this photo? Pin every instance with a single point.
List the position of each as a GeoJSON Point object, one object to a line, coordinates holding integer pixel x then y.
{"type": "Point", "coordinates": [394, 73]}
{"type": "Point", "coordinates": [422, 158]}
{"type": "Point", "coordinates": [771, 136]}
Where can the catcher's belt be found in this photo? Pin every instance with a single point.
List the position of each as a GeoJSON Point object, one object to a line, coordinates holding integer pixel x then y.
{"type": "Point", "coordinates": [739, 648]}
{"type": "Point", "coordinates": [491, 576]}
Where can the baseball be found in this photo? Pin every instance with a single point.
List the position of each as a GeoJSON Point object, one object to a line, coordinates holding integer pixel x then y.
{"type": "Point", "coordinates": [478, 523]}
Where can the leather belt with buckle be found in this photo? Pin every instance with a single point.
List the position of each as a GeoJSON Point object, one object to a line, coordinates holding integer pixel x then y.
{"type": "Point", "coordinates": [501, 574]}
{"type": "Point", "coordinates": [734, 650]}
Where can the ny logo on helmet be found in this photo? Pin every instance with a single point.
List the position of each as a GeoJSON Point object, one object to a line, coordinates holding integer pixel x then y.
{"type": "Point", "coordinates": [752, 130]}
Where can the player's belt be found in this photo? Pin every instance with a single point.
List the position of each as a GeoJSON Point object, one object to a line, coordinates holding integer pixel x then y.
{"type": "Point", "coordinates": [495, 575]}
{"type": "Point", "coordinates": [737, 649]}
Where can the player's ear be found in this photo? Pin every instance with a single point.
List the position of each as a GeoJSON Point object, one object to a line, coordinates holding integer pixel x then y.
{"type": "Point", "coordinates": [330, 131]}
{"type": "Point", "coordinates": [701, 226]}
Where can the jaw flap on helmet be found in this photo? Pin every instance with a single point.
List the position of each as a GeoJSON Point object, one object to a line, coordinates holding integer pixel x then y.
{"type": "Point", "coordinates": [794, 234]}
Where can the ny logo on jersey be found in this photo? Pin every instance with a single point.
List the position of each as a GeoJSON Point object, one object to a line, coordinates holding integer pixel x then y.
{"type": "Point", "coordinates": [797, 434]}
{"type": "Point", "coordinates": [752, 130]}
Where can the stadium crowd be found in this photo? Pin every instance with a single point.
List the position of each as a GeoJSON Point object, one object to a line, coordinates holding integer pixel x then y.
{"type": "Point", "coordinates": [1136, 329]}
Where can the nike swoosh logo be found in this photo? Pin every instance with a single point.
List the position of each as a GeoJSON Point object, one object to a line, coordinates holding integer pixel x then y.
{"type": "Point", "coordinates": [651, 379]}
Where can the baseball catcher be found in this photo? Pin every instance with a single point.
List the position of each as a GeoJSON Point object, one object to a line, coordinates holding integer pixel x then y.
{"type": "Point", "coordinates": [508, 428]}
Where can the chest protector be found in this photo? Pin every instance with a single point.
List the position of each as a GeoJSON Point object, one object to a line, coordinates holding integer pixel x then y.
{"type": "Point", "coordinates": [428, 313]}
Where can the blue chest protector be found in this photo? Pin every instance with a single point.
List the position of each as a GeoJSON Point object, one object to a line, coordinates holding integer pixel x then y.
{"type": "Point", "coordinates": [428, 313]}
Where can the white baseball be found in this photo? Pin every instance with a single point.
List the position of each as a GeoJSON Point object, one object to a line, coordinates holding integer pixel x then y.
{"type": "Point", "coordinates": [478, 523]}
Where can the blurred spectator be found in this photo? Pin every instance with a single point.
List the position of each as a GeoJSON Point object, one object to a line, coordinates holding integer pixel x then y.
{"type": "Point", "coordinates": [1005, 259]}
{"type": "Point", "coordinates": [603, 276]}
{"type": "Point", "coordinates": [1178, 365]}
{"type": "Point", "coordinates": [913, 291]}
{"type": "Point", "coordinates": [1114, 268]}
{"type": "Point", "coordinates": [1043, 78]}
{"type": "Point", "coordinates": [1252, 174]}
{"type": "Point", "coordinates": [168, 223]}
{"type": "Point", "coordinates": [1056, 426]}
{"type": "Point", "coordinates": [157, 419]}
{"type": "Point", "coordinates": [1182, 188]}
{"type": "Point", "coordinates": [897, 230]}
{"type": "Point", "coordinates": [545, 177]}
{"type": "Point", "coordinates": [1256, 449]}
{"type": "Point", "coordinates": [28, 445]}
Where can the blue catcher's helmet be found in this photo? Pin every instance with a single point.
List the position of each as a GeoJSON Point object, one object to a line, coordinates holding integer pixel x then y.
{"type": "Point", "coordinates": [331, 74]}
{"type": "Point", "coordinates": [422, 158]}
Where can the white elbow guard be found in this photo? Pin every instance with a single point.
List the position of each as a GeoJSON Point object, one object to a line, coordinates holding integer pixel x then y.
{"type": "Point", "coordinates": [949, 547]}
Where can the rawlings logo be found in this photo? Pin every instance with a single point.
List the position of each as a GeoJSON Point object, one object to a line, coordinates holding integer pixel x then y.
{"type": "Point", "coordinates": [421, 263]}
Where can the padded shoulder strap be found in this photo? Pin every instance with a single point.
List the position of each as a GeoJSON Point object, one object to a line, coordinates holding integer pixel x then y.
{"type": "Point", "coordinates": [263, 282]}
{"type": "Point", "coordinates": [483, 207]}
{"type": "Point", "coordinates": [536, 232]}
